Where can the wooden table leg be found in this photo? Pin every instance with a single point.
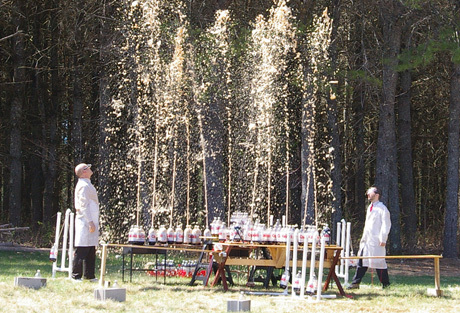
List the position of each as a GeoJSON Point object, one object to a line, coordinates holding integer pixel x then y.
{"type": "Point", "coordinates": [332, 274]}
{"type": "Point", "coordinates": [437, 277]}
{"type": "Point", "coordinates": [332, 270]}
{"type": "Point", "coordinates": [221, 270]}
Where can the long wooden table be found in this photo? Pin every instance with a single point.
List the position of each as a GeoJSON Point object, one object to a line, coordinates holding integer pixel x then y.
{"type": "Point", "coordinates": [156, 248]}
{"type": "Point", "coordinates": [278, 254]}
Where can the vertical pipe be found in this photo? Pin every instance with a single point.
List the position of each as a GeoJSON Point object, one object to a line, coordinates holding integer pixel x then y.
{"type": "Point", "coordinates": [313, 255]}
{"type": "Point", "coordinates": [320, 269]}
{"type": "Point", "coordinates": [347, 252]}
{"type": "Point", "coordinates": [338, 236]}
{"type": "Point", "coordinates": [56, 241]}
{"type": "Point", "coordinates": [288, 251]}
{"type": "Point", "coordinates": [71, 242]}
{"type": "Point", "coordinates": [342, 244]}
{"type": "Point", "coordinates": [304, 267]}
{"type": "Point", "coordinates": [294, 257]}
{"type": "Point", "coordinates": [64, 242]}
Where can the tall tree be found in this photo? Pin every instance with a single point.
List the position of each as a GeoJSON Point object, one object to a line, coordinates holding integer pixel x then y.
{"type": "Point", "coordinates": [17, 103]}
{"type": "Point", "coordinates": [386, 166]}
{"type": "Point", "coordinates": [50, 116]}
{"type": "Point", "coordinates": [450, 242]}
{"type": "Point", "coordinates": [406, 175]}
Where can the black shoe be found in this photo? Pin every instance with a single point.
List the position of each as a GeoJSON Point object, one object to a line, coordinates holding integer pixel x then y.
{"type": "Point", "coordinates": [353, 286]}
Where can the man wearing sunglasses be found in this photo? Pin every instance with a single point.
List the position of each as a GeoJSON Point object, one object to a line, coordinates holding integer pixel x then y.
{"type": "Point", "coordinates": [86, 224]}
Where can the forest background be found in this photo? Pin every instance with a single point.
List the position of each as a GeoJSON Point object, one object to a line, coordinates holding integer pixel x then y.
{"type": "Point", "coordinates": [192, 110]}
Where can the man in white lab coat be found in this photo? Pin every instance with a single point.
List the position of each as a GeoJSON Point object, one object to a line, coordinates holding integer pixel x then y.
{"type": "Point", "coordinates": [86, 224]}
{"type": "Point", "coordinates": [373, 242]}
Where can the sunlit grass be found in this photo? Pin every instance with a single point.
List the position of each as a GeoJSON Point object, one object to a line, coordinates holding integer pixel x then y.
{"type": "Point", "coordinates": [148, 294]}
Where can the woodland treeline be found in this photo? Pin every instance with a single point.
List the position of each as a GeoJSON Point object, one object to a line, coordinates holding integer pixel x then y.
{"type": "Point", "coordinates": [190, 110]}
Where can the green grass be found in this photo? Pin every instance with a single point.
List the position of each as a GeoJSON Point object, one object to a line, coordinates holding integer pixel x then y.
{"type": "Point", "coordinates": [145, 294]}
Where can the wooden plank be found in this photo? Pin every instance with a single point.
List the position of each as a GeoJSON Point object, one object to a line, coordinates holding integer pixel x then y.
{"type": "Point", "coordinates": [394, 257]}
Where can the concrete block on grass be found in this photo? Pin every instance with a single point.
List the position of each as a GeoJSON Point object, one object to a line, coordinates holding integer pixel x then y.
{"type": "Point", "coordinates": [116, 294]}
{"type": "Point", "coordinates": [30, 282]}
{"type": "Point", "coordinates": [238, 305]}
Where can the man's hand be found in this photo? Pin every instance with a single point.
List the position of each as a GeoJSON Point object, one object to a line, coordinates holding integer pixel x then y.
{"type": "Point", "coordinates": [92, 227]}
{"type": "Point", "coordinates": [383, 244]}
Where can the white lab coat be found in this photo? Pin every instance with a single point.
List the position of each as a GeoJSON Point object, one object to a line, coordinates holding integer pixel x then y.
{"type": "Point", "coordinates": [376, 230]}
{"type": "Point", "coordinates": [87, 210]}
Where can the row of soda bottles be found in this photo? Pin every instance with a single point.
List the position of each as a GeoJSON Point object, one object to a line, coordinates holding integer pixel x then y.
{"type": "Point", "coordinates": [256, 233]}
{"type": "Point", "coordinates": [310, 287]}
{"type": "Point", "coordinates": [170, 268]}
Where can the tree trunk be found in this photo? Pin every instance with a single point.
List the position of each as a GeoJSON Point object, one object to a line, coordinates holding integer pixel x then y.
{"type": "Point", "coordinates": [359, 204]}
{"type": "Point", "coordinates": [77, 113]}
{"type": "Point", "coordinates": [386, 168]}
{"type": "Point", "coordinates": [213, 158]}
{"type": "Point", "coordinates": [35, 123]}
{"type": "Point", "coordinates": [406, 175]}
{"type": "Point", "coordinates": [36, 189]}
{"type": "Point", "coordinates": [50, 128]}
{"type": "Point", "coordinates": [17, 104]}
{"type": "Point", "coordinates": [450, 245]}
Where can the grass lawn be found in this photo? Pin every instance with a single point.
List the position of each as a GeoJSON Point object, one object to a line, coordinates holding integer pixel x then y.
{"type": "Point", "coordinates": [146, 294]}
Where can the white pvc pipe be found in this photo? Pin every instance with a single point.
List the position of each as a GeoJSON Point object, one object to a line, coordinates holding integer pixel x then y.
{"type": "Point", "coordinates": [304, 267]}
{"type": "Point", "coordinates": [347, 252]}
{"type": "Point", "coordinates": [294, 258]}
{"type": "Point", "coordinates": [56, 240]}
{"type": "Point", "coordinates": [288, 251]}
{"type": "Point", "coordinates": [64, 243]}
{"type": "Point", "coordinates": [313, 255]}
{"type": "Point", "coordinates": [288, 256]}
{"type": "Point", "coordinates": [342, 244]}
{"type": "Point", "coordinates": [338, 236]}
{"type": "Point", "coordinates": [71, 242]}
{"type": "Point", "coordinates": [339, 232]}
{"type": "Point", "coordinates": [320, 269]}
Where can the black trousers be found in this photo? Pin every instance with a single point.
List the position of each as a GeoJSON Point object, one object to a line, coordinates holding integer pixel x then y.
{"type": "Point", "coordinates": [84, 257]}
{"type": "Point", "coordinates": [361, 270]}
